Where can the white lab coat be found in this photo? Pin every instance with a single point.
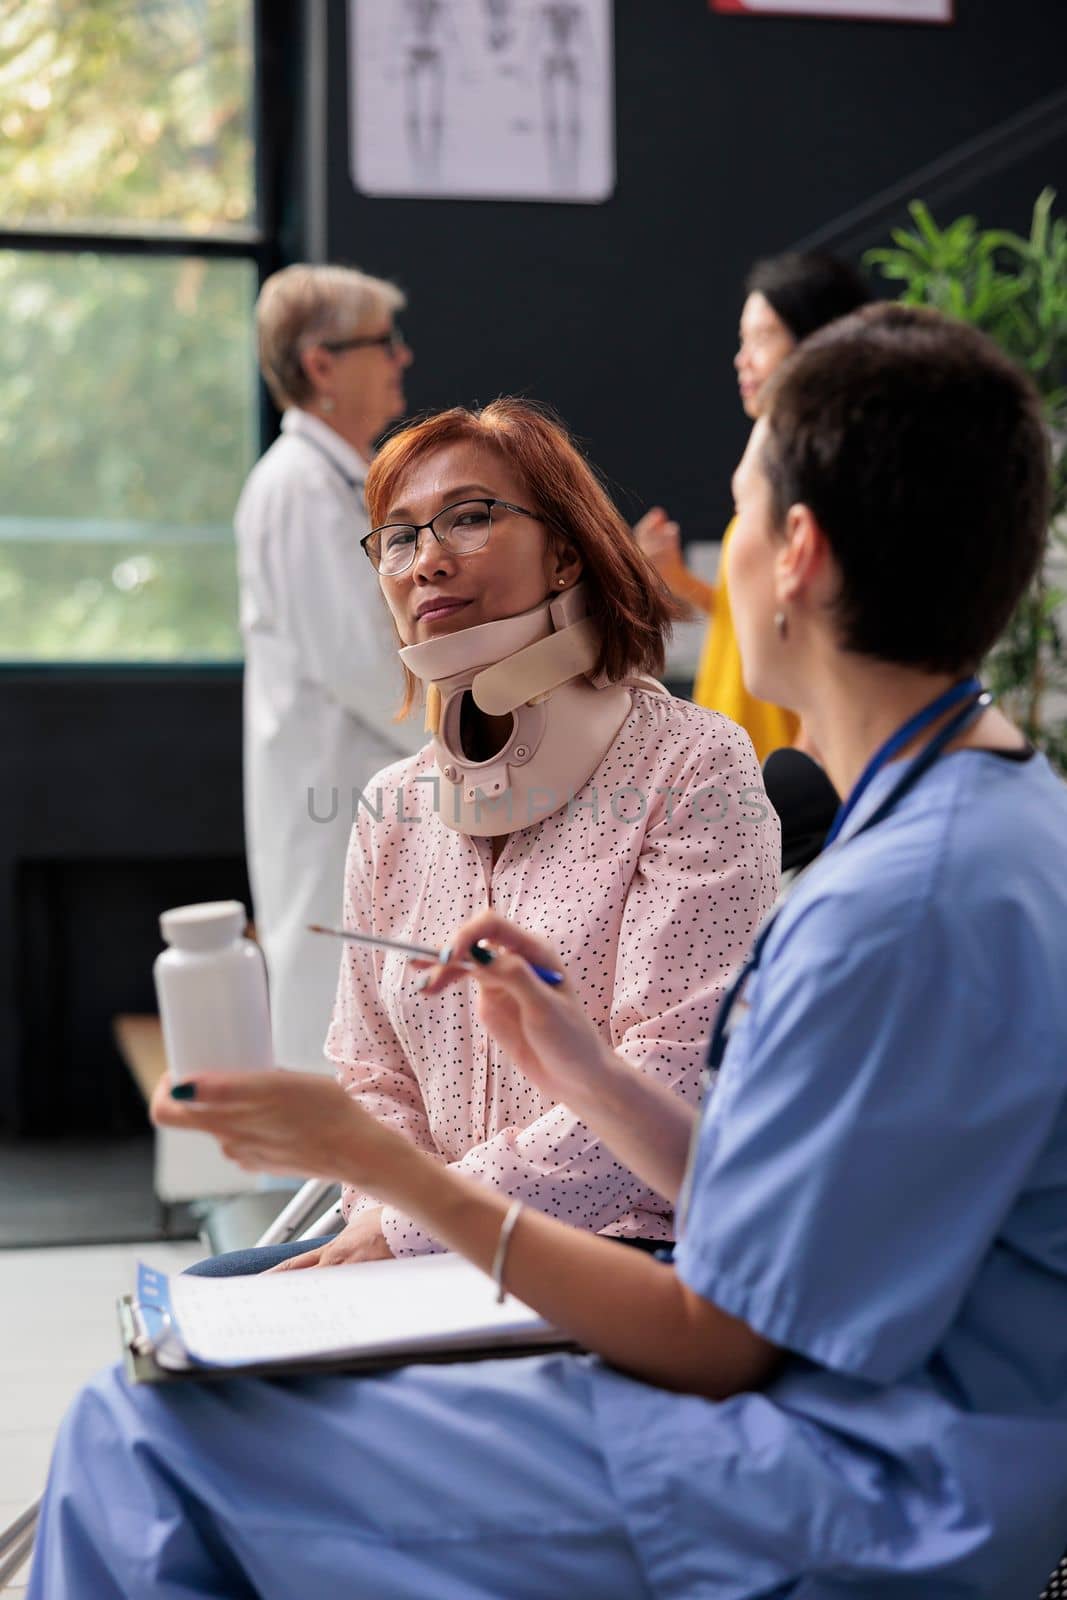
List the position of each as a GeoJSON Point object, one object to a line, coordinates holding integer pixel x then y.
{"type": "Point", "coordinates": [322, 684]}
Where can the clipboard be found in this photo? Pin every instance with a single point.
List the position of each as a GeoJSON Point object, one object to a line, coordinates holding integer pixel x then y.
{"type": "Point", "coordinates": [455, 1327]}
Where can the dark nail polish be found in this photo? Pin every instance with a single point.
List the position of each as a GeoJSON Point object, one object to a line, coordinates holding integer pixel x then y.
{"type": "Point", "coordinates": [183, 1091]}
{"type": "Point", "coordinates": [481, 953]}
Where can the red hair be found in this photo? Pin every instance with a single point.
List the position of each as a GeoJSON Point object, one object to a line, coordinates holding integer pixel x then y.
{"type": "Point", "coordinates": [628, 600]}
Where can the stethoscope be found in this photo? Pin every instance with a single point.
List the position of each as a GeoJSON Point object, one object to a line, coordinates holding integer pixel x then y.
{"type": "Point", "coordinates": [355, 484]}
{"type": "Point", "coordinates": [972, 700]}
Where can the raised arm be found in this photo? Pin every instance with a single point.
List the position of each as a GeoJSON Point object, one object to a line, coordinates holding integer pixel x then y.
{"type": "Point", "coordinates": [660, 540]}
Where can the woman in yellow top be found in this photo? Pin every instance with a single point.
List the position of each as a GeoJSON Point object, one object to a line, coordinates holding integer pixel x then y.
{"type": "Point", "coordinates": [786, 298]}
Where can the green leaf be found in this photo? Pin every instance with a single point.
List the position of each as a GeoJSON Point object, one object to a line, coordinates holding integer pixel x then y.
{"type": "Point", "coordinates": [898, 271]}
{"type": "Point", "coordinates": [1016, 289]}
{"type": "Point", "coordinates": [1000, 239]}
{"type": "Point", "coordinates": [927, 226]}
{"type": "Point", "coordinates": [911, 245]}
{"type": "Point", "coordinates": [1039, 227]}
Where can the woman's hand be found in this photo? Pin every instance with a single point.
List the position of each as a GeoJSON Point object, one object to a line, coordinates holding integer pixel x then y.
{"type": "Point", "coordinates": [660, 540]}
{"type": "Point", "coordinates": [286, 1122]}
{"type": "Point", "coordinates": [360, 1240]}
{"type": "Point", "coordinates": [544, 1029]}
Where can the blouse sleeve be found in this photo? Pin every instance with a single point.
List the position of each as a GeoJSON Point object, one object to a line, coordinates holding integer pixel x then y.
{"type": "Point", "coordinates": [361, 1042]}
{"type": "Point", "coordinates": [868, 1134]}
{"type": "Point", "coordinates": [708, 871]}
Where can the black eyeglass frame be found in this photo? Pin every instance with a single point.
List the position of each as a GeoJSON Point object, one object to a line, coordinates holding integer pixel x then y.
{"type": "Point", "coordinates": [393, 341]}
{"type": "Point", "coordinates": [488, 501]}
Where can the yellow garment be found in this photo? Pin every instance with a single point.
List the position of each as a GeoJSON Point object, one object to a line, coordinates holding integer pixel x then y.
{"type": "Point", "coordinates": [719, 684]}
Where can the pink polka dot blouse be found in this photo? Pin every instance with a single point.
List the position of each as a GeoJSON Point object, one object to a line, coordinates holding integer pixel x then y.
{"type": "Point", "coordinates": [649, 886]}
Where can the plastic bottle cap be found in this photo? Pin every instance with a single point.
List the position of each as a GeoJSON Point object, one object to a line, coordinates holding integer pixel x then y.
{"type": "Point", "coordinates": [207, 926]}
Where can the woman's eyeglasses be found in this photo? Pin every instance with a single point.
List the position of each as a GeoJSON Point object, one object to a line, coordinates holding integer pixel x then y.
{"type": "Point", "coordinates": [393, 342]}
{"type": "Point", "coordinates": [461, 528]}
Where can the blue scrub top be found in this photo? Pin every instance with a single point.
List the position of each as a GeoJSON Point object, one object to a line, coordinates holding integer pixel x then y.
{"type": "Point", "coordinates": [880, 1188]}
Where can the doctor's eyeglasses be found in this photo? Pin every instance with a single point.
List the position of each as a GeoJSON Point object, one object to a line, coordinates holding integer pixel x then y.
{"type": "Point", "coordinates": [392, 342]}
{"type": "Point", "coordinates": [461, 528]}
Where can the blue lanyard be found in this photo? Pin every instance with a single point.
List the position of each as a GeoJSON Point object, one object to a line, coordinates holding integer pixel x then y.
{"type": "Point", "coordinates": [968, 689]}
{"type": "Point", "coordinates": [975, 700]}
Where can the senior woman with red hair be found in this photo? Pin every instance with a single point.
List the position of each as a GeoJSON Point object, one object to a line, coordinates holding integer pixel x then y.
{"type": "Point", "coordinates": [562, 786]}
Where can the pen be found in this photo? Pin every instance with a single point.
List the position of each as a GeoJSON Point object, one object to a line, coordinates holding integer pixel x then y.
{"type": "Point", "coordinates": [479, 952]}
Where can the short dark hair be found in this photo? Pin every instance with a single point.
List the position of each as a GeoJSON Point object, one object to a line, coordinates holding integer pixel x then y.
{"type": "Point", "coordinates": [808, 289]}
{"type": "Point", "coordinates": [921, 449]}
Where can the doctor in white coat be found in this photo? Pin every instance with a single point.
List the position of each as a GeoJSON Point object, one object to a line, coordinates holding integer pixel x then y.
{"type": "Point", "coordinates": [321, 680]}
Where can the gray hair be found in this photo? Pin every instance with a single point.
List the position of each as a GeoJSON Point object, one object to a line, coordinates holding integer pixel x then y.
{"type": "Point", "coordinates": [304, 305]}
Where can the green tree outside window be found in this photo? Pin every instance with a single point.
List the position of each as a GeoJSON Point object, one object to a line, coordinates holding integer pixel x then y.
{"type": "Point", "coordinates": [127, 382]}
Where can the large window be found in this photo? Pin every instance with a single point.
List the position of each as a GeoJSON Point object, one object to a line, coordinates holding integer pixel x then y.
{"type": "Point", "coordinates": [129, 260]}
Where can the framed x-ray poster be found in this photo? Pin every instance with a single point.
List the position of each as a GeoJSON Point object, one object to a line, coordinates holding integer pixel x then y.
{"type": "Point", "coordinates": [482, 99]}
{"type": "Point", "coordinates": [851, 10]}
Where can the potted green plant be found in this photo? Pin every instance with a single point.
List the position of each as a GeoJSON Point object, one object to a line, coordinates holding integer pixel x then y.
{"type": "Point", "coordinates": [1015, 289]}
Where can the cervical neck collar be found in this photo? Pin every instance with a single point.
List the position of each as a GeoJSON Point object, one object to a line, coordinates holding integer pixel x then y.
{"type": "Point", "coordinates": [534, 667]}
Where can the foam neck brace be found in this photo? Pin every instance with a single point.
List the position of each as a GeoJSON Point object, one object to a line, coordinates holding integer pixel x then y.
{"type": "Point", "coordinates": [536, 669]}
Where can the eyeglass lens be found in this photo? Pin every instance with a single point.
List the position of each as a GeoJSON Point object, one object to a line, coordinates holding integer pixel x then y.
{"type": "Point", "coordinates": [393, 342]}
{"type": "Point", "coordinates": [461, 528]}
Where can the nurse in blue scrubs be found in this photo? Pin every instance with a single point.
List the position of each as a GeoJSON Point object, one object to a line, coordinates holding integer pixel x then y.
{"type": "Point", "coordinates": [852, 1379]}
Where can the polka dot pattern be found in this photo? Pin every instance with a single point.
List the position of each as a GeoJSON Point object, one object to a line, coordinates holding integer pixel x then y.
{"type": "Point", "coordinates": [1057, 1584]}
{"type": "Point", "coordinates": [649, 886]}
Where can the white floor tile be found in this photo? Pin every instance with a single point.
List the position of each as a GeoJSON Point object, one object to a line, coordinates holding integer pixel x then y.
{"type": "Point", "coordinates": [57, 1327]}
{"type": "Point", "coordinates": [24, 1461]}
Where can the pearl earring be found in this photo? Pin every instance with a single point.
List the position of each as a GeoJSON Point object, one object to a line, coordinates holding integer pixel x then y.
{"type": "Point", "coordinates": [326, 404]}
{"type": "Point", "coordinates": [562, 582]}
{"type": "Point", "coordinates": [781, 623]}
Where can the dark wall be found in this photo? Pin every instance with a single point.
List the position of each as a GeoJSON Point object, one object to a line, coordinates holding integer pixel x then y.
{"type": "Point", "coordinates": [737, 136]}
{"type": "Point", "coordinates": [121, 796]}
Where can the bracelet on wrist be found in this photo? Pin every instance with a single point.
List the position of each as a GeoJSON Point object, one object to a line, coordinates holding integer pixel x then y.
{"type": "Point", "coordinates": [500, 1256]}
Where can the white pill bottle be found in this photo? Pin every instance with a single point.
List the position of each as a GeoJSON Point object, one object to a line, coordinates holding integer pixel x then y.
{"type": "Point", "coordinates": [211, 984]}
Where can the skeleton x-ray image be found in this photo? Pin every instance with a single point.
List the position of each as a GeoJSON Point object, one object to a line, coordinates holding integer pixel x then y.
{"type": "Point", "coordinates": [501, 17]}
{"type": "Point", "coordinates": [563, 50]}
{"type": "Point", "coordinates": [490, 99]}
